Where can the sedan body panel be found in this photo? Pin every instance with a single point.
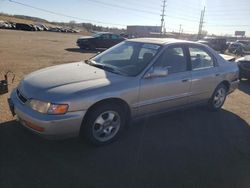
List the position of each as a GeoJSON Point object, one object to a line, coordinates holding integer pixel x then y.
{"type": "Point", "coordinates": [54, 126]}
{"type": "Point", "coordinates": [80, 86]}
{"type": "Point", "coordinates": [204, 82]}
{"type": "Point", "coordinates": [162, 93]}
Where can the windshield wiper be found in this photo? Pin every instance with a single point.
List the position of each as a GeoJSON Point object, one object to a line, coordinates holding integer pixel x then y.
{"type": "Point", "coordinates": [108, 68]}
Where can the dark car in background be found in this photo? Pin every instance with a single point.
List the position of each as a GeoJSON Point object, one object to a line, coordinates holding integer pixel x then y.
{"type": "Point", "coordinates": [240, 47]}
{"type": "Point", "coordinates": [217, 43]}
{"type": "Point", "coordinates": [25, 27]}
{"type": "Point", "coordinates": [99, 40]}
{"type": "Point", "coordinates": [244, 67]}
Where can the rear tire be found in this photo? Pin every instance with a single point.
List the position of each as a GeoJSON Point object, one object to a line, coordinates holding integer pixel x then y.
{"type": "Point", "coordinates": [218, 98]}
{"type": "Point", "coordinates": [104, 124]}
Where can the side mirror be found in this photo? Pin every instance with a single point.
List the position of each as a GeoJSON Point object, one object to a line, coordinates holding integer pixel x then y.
{"type": "Point", "coordinates": [156, 72]}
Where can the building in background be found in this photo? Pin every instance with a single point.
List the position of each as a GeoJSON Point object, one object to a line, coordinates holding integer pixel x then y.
{"type": "Point", "coordinates": [142, 31]}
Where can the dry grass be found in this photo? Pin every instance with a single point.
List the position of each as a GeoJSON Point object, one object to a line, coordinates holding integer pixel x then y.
{"type": "Point", "coordinates": [18, 20]}
{"type": "Point", "coordinates": [23, 52]}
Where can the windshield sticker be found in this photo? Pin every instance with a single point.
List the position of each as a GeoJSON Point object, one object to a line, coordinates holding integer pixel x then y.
{"type": "Point", "coordinates": [151, 46]}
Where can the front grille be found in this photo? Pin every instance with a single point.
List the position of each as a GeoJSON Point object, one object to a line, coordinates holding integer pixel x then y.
{"type": "Point", "coordinates": [21, 97]}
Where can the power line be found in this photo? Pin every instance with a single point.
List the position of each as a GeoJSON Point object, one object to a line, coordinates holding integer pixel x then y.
{"type": "Point", "coordinates": [123, 7]}
{"type": "Point", "coordinates": [64, 15]}
{"type": "Point", "coordinates": [219, 25]}
{"type": "Point", "coordinates": [147, 6]}
{"type": "Point", "coordinates": [144, 17]}
{"type": "Point", "coordinates": [90, 20]}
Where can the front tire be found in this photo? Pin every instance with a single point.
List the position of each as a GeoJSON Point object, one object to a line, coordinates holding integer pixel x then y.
{"type": "Point", "coordinates": [218, 98]}
{"type": "Point", "coordinates": [104, 124]}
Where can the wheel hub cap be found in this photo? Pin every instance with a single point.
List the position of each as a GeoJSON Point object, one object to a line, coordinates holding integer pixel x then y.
{"type": "Point", "coordinates": [106, 126]}
{"type": "Point", "coordinates": [219, 97]}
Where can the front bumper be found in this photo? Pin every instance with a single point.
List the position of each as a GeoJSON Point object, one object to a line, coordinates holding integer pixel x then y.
{"type": "Point", "coordinates": [49, 126]}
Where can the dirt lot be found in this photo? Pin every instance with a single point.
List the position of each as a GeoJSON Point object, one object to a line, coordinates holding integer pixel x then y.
{"type": "Point", "coordinates": [23, 52]}
{"type": "Point", "coordinates": [192, 148]}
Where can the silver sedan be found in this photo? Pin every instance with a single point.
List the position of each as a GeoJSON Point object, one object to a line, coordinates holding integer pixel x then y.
{"type": "Point", "coordinates": [139, 77]}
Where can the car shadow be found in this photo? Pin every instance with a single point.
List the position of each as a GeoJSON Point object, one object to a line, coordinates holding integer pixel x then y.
{"type": "Point", "coordinates": [79, 50]}
{"type": "Point", "coordinates": [244, 86]}
{"type": "Point", "coordinates": [192, 148]}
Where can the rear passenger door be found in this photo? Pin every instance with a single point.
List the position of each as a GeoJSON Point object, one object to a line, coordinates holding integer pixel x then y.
{"type": "Point", "coordinates": [114, 39]}
{"type": "Point", "coordinates": [204, 73]}
{"type": "Point", "coordinates": [103, 41]}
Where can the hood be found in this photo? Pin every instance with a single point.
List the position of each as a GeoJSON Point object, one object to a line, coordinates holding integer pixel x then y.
{"type": "Point", "coordinates": [59, 82]}
{"type": "Point", "coordinates": [227, 57]}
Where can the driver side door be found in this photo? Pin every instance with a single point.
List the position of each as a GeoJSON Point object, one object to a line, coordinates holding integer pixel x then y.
{"type": "Point", "coordinates": [165, 92]}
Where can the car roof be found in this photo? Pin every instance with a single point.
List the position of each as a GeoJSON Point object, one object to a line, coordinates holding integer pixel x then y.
{"type": "Point", "coordinates": [103, 32]}
{"type": "Point", "coordinates": [161, 41]}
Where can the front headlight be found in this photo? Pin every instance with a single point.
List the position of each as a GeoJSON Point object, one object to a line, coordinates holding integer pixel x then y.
{"type": "Point", "coordinates": [47, 107]}
{"type": "Point", "coordinates": [58, 108]}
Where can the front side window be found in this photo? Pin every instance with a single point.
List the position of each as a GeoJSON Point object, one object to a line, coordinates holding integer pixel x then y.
{"type": "Point", "coordinates": [200, 59]}
{"type": "Point", "coordinates": [104, 36]}
{"type": "Point", "coordinates": [173, 59]}
{"type": "Point", "coordinates": [128, 57]}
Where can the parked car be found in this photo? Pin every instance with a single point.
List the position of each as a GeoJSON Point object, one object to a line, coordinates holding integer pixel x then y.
{"type": "Point", "coordinates": [99, 40]}
{"type": "Point", "coordinates": [218, 44]}
{"type": "Point", "coordinates": [235, 48]}
{"type": "Point", "coordinates": [138, 77]}
{"type": "Point", "coordinates": [25, 27]}
{"type": "Point", "coordinates": [5, 25]}
{"type": "Point", "coordinates": [240, 47]}
{"type": "Point", "coordinates": [244, 66]}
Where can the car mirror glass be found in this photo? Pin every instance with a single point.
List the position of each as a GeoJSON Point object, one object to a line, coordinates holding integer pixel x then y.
{"type": "Point", "coordinates": [156, 72]}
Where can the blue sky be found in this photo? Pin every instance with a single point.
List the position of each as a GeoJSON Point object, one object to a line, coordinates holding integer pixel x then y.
{"type": "Point", "coordinates": [221, 17]}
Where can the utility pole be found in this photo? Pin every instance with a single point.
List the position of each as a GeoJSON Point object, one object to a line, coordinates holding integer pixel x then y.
{"type": "Point", "coordinates": [163, 15]}
{"type": "Point", "coordinates": [180, 30]}
{"type": "Point", "coordinates": [201, 22]}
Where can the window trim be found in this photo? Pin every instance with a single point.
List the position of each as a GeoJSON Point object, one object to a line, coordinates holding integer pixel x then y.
{"type": "Point", "coordinates": [205, 50]}
{"type": "Point", "coordinates": [184, 49]}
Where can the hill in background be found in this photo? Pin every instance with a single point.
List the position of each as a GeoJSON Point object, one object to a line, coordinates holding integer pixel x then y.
{"type": "Point", "coordinates": [84, 28]}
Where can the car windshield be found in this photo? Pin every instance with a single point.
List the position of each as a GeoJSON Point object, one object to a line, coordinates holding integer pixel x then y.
{"type": "Point", "coordinates": [128, 58]}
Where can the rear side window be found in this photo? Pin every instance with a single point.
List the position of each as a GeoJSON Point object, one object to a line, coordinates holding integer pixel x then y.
{"type": "Point", "coordinates": [104, 36]}
{"type": "Point", "coordinates": [200, 59]}
{"type": "Point", "coordinates": [115, 37]}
